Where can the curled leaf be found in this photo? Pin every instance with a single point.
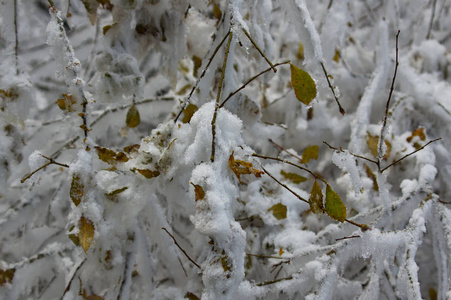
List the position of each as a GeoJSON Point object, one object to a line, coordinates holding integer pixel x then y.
{"type": "Point", "coordinates": [76, 190]}
{"type": "Point", "coordinates": [241, 167]}
{"type": "Point", "coordinates": [133, 119]}
{"type": "Point", "coordinates": [316, 199]}
{"type": "Point", "coordinates": [66, 102]}
{"type": "Point", "coordinates": [335, 208]}
{"type": "Point", "coordinates": [86, 233]}
{"type": "Point", "coordinates": [304, 86]}
{"type": "Point", "coordinates": [111, 157]}
{"type": "Point", "coordinates": [279, 211]}
{"type": "Point", "coordinates": [148, 173]}
{"type": "Point", "coordinates": [293, 177]}
{"type": "Point", "coordinates": [311, 152]}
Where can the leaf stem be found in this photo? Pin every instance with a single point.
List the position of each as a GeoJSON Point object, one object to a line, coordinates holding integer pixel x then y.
{"type": "Point", "coordinates": [286, 187]}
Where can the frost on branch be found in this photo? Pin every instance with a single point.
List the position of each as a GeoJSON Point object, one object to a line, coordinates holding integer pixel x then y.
{"type": "Point", "coordinates": [194, 149]}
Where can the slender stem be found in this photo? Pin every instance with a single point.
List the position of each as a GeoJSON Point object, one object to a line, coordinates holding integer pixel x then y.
{"type": "Point", "coordinates": [353, 154]}
{"type": "Point", "coordinates": [72, 279]}
{"type": "Point", "coordinates": [293, 164]}
{"type": "Point", "coordinates": [348, 237]}
{"type": "Point", "coordinates": [259, 50]}
{"type": "Point", "coordinates": [274, 281]}
{"type": "Point", "coordinates": [285, 150]}
{"type": "Point", "coordinates": [250, 80]}
{"type": "Point", "coordinates": [387, 105]}
{"type": "Point", "coordinates": [405, 156]}
{"type": "Point", "coordinates": [364, 227]}
{"type": "Point", "coordinates": [286, 187]}
{"type": "Point", "coordinates": [181, 249]}
{"type": "Point", "coordinates": [266, 256]}
{"type": "Point", "coordinates": [342, 111]}
{"type": "Point", "coordinates": [221, 81]}
{"type": "Point", "coordinates": [202, 75]}
{"type": "Point", "coordinates": [431, 22]}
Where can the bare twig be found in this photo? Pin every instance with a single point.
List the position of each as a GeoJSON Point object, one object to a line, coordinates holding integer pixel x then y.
{"type": "Point", "coordinates": [181, 249]}
{"type": "Point", "coordinates": [259, 50]}
{"type": "Point", "coordinates": [221, 81]}
{"type": "Point", "coordinates": [16, 45]}
{"type": "Point", "coordinates": [50, 162]}
{"type": "Point", "coordinates": [286, 187]}
{"type": "Point", "coordinates": [202, 75]}
{"type": "Point", "coordinates": [274, 281]}
{"type": "Point", "coordinates": [250, 80]}
{"type": "Point", "coordinates": [72, 279]}
{"type": "Point", "coordinates": [265, 256]}
{"type": "Point", "coordinates": [405, 156]}
{"type": "Point", "coordinates": [285, 150]}
{"type": "Point", "coordinates": [293, 164]}
{"type": "Point", "coordinates": [384, 124]}
{"type": "Point", "coordinates": [431, 22]}
{"type": "Point", "coordinates": [348, 237]}
{"type": "Point", "coordinates": [342, 111]}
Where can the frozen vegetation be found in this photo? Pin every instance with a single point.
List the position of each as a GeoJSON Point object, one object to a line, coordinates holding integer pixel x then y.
{"type": "Point", "coordinates": [225, 149]}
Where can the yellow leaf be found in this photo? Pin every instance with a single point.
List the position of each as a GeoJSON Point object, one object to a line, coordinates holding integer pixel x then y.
{"type": "Point", "coordinates": [76, 190]}
{"type": "Point", "coordinates": [316, 199]}
{"type": "Point", "coordinates": [66, 103]}
{"type": "Point", "coordinates": [371, 175]}
{"type": "Point", "coordinates": [293, 177]}
{"type": "Point", "coordinates": [199, 192]}
{"type": "Point", "coordinates": [311, 152]}
{"type": "Point", "coordinates": [336, 56]}
{"type": "Point", "coordinates": [335, 208]}
{"type": "Point", "coordinates": [417, 132]}
{"type": "Point", "coordinates": [300, 54]}
{"type": "Point", "coordinates": [279, 211]}
{"type": "Point", "coordinates": [86, 233]}
{"type": "Point", "coordinates": [111, 157]}
{"type": "Point", "coordinates": [189, 112]}
{"type": "Point", "coordinates": [6, 276]}
{"type": "Point", "coordinates": [281, 251]}
{"type": "Point", "coordinates": [148, 173]}
{"type": "Point", "coordinates": [241, 167]}
{"type": "Point", "coordinates": [303, 85]}
{"type": "Point", "coordinates": [133, 119]}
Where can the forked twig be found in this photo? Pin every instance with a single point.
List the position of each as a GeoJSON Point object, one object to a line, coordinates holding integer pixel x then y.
{"type": "Point", "coordinates": [286, 187]}
{"type": "Point", "coordinates": [258, 49]}
{"type": "Point", "coordinates": [50, 162]}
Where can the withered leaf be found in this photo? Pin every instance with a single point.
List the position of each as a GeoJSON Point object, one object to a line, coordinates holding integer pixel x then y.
{"type": "Point", "coordinates": [293, 177]}
{"type": "Point", "coordinates": [373, 141]}
{"type": "Point", "coordinates": [86, 233]}
{"type": "Point", "coordinates": [241, 167]}
{"type": "Point", "coordinates": [371, 175]}
{"type": "Point", "coordinates": [279, 211]}
{"type": "Point", "coordinates": [311, 152]}
{"type": "Point", "coordinates": [118, 191]}
{"type": "Point", "coordinates": [199, 192]}
{"type": "Point", "coordinates": [148, 173]}
{"type": "Point", "coordinates": [188, 112]}
{"type": "Point", "coordinates": [132, 119]}
{"type": "Point", "coordinates": [66, 102]}
{"type": "Point", "coordinates": [76, 189]}
{"type": "Point", "coordinates": [316, 199]}
{"type": "Point", "coordinates": [335, 208]}
{"type": "Point", "coordinates": [419, 132]}
{"type": "Point", "coordinates": [6, 276]}
{"type": "Point", "coordinates": [111, 157]}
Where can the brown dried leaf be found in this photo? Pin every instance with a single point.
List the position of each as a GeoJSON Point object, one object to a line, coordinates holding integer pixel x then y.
{"type": "Point", "coordinates": [371, 175]}
{"type": "Point", "coordinates": [132, 119]}
{"type": "Point", "coordinates": [417, 132]}
{"type": "Point", "coordinates": [188, 112]}
{"type": "Point", "coordinates": [148, 173]}
{"type": "Point", "coordinates": [199, 192]}
{"type": "Point", "coordinates": [86, 233]}
{"type": "Point", "coordinates": [111, 157]}
{"type": "Point", "coordinates": [6, 276]}
{"type": "Point", "coordinates": [76, 189]}
{"type": "Point", "coordinates": [373, 141]}
{"type": "Point", "coordinates": [66, 102]}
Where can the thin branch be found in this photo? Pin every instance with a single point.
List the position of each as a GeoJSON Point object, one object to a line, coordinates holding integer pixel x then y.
{"type": "Point", "coordinates": [274, 281]}
{"type": "Point", "coordinates": [431, 22]}
{"type": "Point", "coordinates": [293, 164]}
{"type": "Point", "coordinates": [285, 150]}
{"type": "Point", "coordinates": [259, 50]}
{"type": "Point", "coordinates": [72, 279]}
{"type": "Point", "coordinates": [342, 111]}
{"type": "Point", "coordinates": [286, 187]}
{"type": "Point", "coordinates": [221, 81]}
{"type": "Point", "coordinates": [202, 75]}
{"type": "Point", "coordinates": [16, 45]}
{"type": "Point", "coordinates": [353, 154]}
{"type": "Point", "coordinates": [405, 156]}
{"type": "Point", "coordinates": [181, 249]}
{"type": "Point", "coordinates": [384, 125]}
{"type": "Point", "coordinates": [348, 237]}
{"type": "Point", "coordinates": [50, 162]}
{"type": "Point", "coordinates": [266, 256]}
{"type": "Point", "coordinates": [250, 80]}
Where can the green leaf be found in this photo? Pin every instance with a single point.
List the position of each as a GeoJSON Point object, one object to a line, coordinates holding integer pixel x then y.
{"type": "Point", "coordinates": [311, 152]}
{"type": "Point", "coordinates": [316, 199]}
{"type": "Point", "coordinates": [335, 208]}
{"type": "Point", "coordinates": [133, 119]}
{"type": "Point", "coordinates": [76, 190]}
{"type": "Point", "coordinates": [293, 177]}
{"type": "Point", "coordinates": [303, 85]}
{"type": "Point", "coordinates": [279, 211]}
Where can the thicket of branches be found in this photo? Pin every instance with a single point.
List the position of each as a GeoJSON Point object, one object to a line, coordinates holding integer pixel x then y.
{"type": "Point", "coordinates": [225, 149]}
